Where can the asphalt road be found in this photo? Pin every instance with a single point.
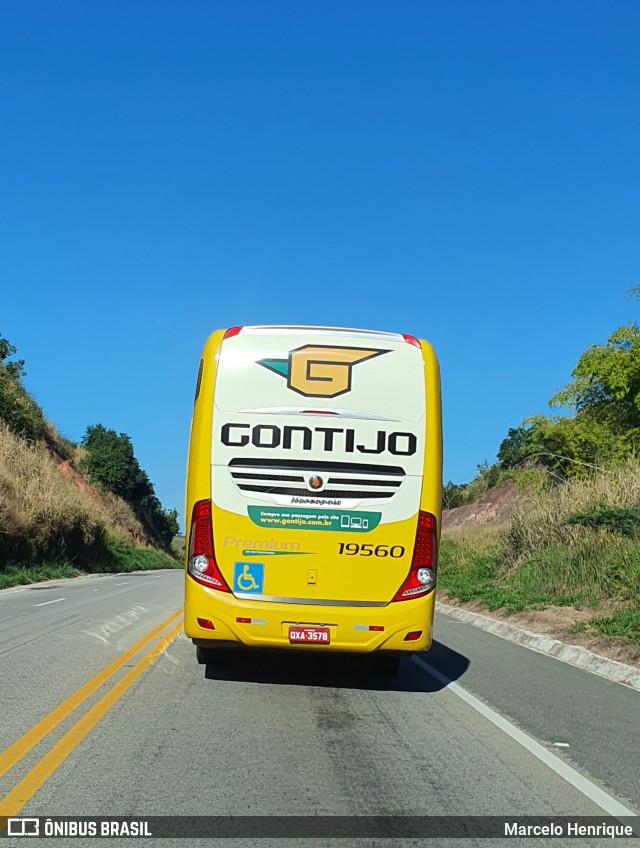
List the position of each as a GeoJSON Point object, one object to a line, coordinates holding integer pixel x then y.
{"type": "Point", "coordinates": [291, 734]}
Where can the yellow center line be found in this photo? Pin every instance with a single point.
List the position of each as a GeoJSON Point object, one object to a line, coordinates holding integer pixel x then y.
{"type": "Point", "coordinates": [30, 739]}
{"type": "Point", "coordinates": [12, 803]}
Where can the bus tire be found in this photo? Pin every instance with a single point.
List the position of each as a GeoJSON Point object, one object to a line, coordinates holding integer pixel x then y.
{"type": "Point", "coordinates": [205, 656]}
{"type": "Point", "coordinates": [387, 665]}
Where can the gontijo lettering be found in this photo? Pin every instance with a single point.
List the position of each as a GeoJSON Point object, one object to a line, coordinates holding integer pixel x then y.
{"type": "Point", "coordinates": [324, 439]}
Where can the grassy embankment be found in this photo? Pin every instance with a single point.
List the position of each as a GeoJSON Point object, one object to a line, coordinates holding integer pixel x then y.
{"type": "Point", "coordinates": [574, 544]}
{"type": "Point", "coordinates": [55, 525]}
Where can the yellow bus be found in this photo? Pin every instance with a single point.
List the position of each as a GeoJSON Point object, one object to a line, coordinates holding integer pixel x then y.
{"type": "Point", "coordinates": [314, 489]}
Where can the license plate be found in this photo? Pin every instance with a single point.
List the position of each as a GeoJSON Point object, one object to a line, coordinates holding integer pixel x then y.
{"type": "Point", "coordinates": [318, 635]}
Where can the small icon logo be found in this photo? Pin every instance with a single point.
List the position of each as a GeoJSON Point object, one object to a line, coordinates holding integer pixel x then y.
{"type": "Point", "coordinates": [315, 483]}
{"type": "Point", "coordinates": [320, 370]}
{"type": "Point", "coordinates": [248, 577]}
{"type": "Point", "coordinates": [354, 522]}
{"type": "Point", "coordinates": [23, 827]}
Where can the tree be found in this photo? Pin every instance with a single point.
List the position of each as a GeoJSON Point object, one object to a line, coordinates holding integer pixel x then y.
{"type": "Point", "coordinates": [17, 408]}
{"type": "Point", "coordinates": [171, 520]}
{"type": "Point", "coordinates": [14, 369]}
{"type": "Point", "coordinates": [514, 449]}
{"type": "Point", "coordinates": [572, 446]}
{"type": "Point", "coordinates": [606, 382]}
{"type": "Point", "coordinates": [453, 495]}
{"type": "Point", "coordinates": [111, 461]}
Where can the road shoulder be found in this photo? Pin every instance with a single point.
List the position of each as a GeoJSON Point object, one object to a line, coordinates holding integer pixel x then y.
{"type": "Point", "coordinates": [575, 655]}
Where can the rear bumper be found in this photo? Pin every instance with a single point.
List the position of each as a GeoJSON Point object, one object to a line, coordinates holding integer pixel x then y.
{"type": "Point", "coordinates": [269, 622]}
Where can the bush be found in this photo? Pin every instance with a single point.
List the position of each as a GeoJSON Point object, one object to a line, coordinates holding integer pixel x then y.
{"type": "Point", "coordinates": [625, 521]}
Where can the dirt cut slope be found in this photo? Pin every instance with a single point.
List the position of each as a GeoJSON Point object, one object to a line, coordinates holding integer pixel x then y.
{"type": "Point", "coordinates": [492, 509]}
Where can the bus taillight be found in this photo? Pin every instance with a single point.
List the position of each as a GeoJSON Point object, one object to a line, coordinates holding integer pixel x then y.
{"type": "Point", "coordinates": [202, 564]}
{"type": "Point", "coordinates": [422, 574]}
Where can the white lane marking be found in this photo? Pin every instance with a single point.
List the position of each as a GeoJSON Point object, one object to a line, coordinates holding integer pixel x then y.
{"type": "Point", "coordinates": [593, 792]}
{"type": "Point", "coordinates": [560, 744]}
{"type": "Point", "coordinates": [55, 601]}
{"type": "Point", "coordinates": [123, 584]}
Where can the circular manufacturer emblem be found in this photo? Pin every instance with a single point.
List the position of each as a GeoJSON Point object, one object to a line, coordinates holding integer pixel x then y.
{"type": "Point", "coordinates": [315, 482]}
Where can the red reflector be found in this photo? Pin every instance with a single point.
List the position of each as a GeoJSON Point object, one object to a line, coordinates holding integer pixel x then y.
{"type": "Point", "coordinates": [232, 331]}
{"type": "Point", "coordinates": [202, 509]}
{"type": "Point", "coordinates": [243, 620]}
{"type": "Point", "coordinates": [412, 340]}
{"type": "Point", "coordinates": [202, 527]}
{"type": "Point", "coordinates": [208, 625]}
{"type": "Point", "coordinates": [413, 636]}
{"type": "Point", "coordinates": [426, 520]}
{"type": "Point", "coordinates": [377, 627]}
{"type": "Point", "coordinates": [423, 550]}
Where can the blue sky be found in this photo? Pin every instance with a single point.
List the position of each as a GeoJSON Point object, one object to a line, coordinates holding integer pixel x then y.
{"type": "Point", "coordinates": [461, 171]}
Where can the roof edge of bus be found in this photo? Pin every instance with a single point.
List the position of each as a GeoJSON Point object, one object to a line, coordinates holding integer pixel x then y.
{"type": "Point", "coordinates": [294, 328]}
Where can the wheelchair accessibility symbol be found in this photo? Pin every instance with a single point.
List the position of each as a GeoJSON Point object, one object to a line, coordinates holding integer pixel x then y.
{"type": "Point", "coordinates": [248, 577]}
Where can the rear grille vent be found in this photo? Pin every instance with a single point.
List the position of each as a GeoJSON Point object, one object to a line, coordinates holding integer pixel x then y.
{"type": "Point", "coordinates": [237, 475]}
{"type": "Point", "coordinates": [325, 493]}
{"type": "Point", "coordinates": [346, 480]}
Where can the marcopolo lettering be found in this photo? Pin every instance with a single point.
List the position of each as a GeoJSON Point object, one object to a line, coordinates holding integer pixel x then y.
{"type": "Point", "coordinates": [326, 438]}
{"type": "Point", "coordinates": [320, 501]}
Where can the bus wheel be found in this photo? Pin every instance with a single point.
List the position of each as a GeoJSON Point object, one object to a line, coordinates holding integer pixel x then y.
{"type": "Point", "coordinates": [206, 656]}
{"type": "Point", "coordinates": [387, 665]}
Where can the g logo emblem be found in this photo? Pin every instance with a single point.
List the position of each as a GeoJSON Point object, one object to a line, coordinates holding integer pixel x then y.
{"type": "Point", "coordinates": [320, 370]}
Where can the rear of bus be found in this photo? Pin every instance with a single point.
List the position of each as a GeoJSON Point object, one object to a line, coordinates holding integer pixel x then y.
{"type": "Point", "coordinates": [313, 492]}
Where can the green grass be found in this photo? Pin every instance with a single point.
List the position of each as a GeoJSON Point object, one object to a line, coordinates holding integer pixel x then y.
{"type": "Point", "coordinates": [559, 575]}
{"type": "Point", "coordinates": [575, 544]}
{"type": "Point", "coordinates": [137, 559]}
{"type": "Point", "coordinates": [624, 625]}
{"type": "Point", "coordinates": [585, 572]}
{"type": "Point", "coordinates": [120, 559]}
{"type": "Point", "coordinates": [22, 575]}
{"type": "Point", "coordinates": [580, 575]}
{"type": "Point", "coordinates": [475, 575]}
